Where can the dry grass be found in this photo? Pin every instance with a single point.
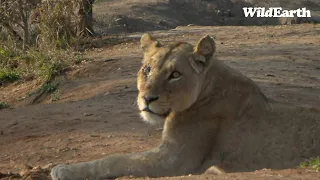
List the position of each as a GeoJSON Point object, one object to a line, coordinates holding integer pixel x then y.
{"type": "Point", "coordinates": [58, 24]}
{"type": "Point", "coordinates": [44, 64]}
{"type": "Point", "coordinates": [54, 35]}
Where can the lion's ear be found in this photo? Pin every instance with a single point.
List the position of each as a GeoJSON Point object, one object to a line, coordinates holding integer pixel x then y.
{"type": "Point", "coordinates": [147, 41]}
{"type": "Point", "coordinates": [206, 47]}
{"type": "Point", "coordinates": [203, 53]}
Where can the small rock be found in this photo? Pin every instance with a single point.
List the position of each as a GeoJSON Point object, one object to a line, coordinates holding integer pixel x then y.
{"type": "Point", "coordinates": [48, 166]}
{"type": "Point", "coordinates": [94, 135]}
{"type": "Point", "coordinates": [107, 60]}
{"type": "Point", "coordinates": [271, 75]}
{"type": "Point", "coordinates": [87, 114]}
{"type": "Point", "coordinates": [15, 123]}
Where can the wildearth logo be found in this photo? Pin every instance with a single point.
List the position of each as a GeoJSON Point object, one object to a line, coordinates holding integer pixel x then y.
{"type": "Point", "coordinates": [275, 12]}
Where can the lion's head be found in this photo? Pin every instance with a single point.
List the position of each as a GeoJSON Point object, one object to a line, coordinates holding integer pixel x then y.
{"type": "Point", "coordinates": [170, 79]}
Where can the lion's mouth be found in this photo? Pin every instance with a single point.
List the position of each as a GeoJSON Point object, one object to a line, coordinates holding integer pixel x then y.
{"type": "Point", "coordinates": [147, 109]}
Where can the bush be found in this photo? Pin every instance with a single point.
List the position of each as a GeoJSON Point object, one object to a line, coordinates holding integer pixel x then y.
{"type": "Point", "coordinates": [49, 87]}
{"type": "Point", "coordinates": [47, 65]}
{"type": "Point", "coordinates": [57, 24]}
{"type": "Point", "coordinates": [4, 105]}
{"type": "Point", "coordinates": [8, 76]}
{"type": "Point", "coordinates": [44, 64]}
{"type": "Point", "coordinates": [56, 27]}
{"type": "Point", "coordinates": [8, 53]}
{"type": "Point", "coordinates": [313, 163]}
{"type": "Point", "coordinates": [50, 56]}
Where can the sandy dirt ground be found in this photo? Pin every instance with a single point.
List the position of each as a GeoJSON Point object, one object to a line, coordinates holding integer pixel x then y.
{"type": "Point", "coordinates": [96, 113]}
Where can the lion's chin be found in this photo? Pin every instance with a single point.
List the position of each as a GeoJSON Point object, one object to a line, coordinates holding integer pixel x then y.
{"type": "Point", "coordinates": [152, 118]}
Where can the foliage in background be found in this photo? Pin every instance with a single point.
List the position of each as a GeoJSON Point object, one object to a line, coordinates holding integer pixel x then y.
{"type": "Point", "coordinates": [59, 28]}
{"type": "Point", "coordinates": [49, 64]}
{"type": "Point", "coordinates": [35, 63]}
{"type": "Point", "coordinates": [49, 87]}
{"type": "Point", "coordinates": [313, 163]}
{"type": "Point", "coordinates": [53, 21]}
{"type": "Point", "coordinates": [14, 15]}
{"type": "Point", "coordinates": [7, 76]}
{"type": "Point", "coordinates": [36, 36]}
{"type": "Point", "coordinates": [4, 105]}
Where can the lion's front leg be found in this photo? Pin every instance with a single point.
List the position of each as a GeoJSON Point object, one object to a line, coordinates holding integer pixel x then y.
{"type": "Point", "coordinates": [161, 161]}
{"type": "Point", "coordinates": [107, 167]}
{"type": "Point", "coordinates": [181, 152]}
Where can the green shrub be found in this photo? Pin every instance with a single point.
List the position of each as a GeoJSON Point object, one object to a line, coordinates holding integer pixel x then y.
{"type": "Point", "coordinates": [313, 163]}
{"type": "Point", "coordinates": [49, 87]}
{"type": "Point", "coordinates": [9, 51]}
{"type": "Point", "coordinates": [44, 64]}
{"type": "Point", "coordinates": [52, 37]}
{"type": "Point", "coordinates": [48, 64]}
{"type": "Point", "coordinates": [8, 76]}
{"type": "Point", "coordinates": [4, 105]}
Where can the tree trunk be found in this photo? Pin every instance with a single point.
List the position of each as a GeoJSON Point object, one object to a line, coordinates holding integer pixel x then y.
{"type": "Point", "coordinates": [86, 19]}
{"type": "Point", "coordinates": [25, 25]}
{"type": "Point", "coordinates": [25, 33]}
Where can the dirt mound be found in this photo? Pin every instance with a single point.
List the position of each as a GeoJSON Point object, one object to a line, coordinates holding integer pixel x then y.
{"type": "Point", "coordinates": [145, 15]}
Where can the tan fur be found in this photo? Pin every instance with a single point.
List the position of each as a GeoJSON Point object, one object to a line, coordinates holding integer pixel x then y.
{"type": "Point", "coordinates": [213, 117]}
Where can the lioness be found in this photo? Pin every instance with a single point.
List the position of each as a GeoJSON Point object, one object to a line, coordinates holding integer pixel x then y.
{"type": "Point", "coordinates": [212, 114]}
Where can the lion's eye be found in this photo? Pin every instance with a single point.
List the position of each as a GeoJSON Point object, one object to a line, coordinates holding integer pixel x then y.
{"type": "Point", "coordinates": [146, 70]}
{"type": "Point", "coordinates": [175, 75]}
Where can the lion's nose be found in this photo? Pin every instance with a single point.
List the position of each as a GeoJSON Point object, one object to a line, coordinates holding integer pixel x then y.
{"type": "Point", "coordinates": [150, 99]}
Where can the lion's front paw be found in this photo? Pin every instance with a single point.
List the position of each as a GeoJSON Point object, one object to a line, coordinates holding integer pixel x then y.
{"type": "Point", "coordinates": [62, 172]}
